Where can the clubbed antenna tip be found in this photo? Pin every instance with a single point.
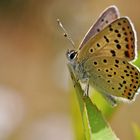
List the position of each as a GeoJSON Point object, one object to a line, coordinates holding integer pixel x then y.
{"type": "Point", "coordinates": [65, 33]}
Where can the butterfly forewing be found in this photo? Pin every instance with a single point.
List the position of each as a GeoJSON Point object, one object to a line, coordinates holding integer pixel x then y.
{"type": "Point", "coordinates": [116, 40]}
{"type": "Point", "coordinates": [113, 76]}
{"type": "Point", "coordinates": [107, 17]}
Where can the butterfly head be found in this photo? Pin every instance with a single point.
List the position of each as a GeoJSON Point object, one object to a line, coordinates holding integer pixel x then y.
{"type": "Point", "coordinates": [71, 55]}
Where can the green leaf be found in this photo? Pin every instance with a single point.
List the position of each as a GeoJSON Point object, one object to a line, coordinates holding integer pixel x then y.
{"type": "Point", "coordinates": [95, 126]}
{"type": "Point", "coordinates": [136, 131]}
{"type": "Point", "coordinates": [106, 109]}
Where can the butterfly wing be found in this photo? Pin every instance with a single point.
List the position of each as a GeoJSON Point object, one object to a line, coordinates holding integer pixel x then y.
{"type": "Point", "coordinates": [113, 76]}
{"type": "Point", "coordinates": [116, 40]}
{"type": "Point", "coordinates": [107, 17]}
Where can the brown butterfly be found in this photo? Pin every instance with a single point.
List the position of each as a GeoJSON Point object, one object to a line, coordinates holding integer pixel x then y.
{"type": "Point", "coordinates": [103, 59]}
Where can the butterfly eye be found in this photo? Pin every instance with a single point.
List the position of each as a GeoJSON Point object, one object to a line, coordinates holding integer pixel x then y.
{"type": "Point", "coordinates": [71, 55]}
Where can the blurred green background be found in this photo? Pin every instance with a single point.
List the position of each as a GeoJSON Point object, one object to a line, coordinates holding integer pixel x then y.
{"type": "Point", "coordinates": [35, 98]}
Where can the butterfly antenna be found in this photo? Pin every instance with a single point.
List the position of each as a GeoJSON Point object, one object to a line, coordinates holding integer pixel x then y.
{"type": "Point", "coordinates": [66, 35]}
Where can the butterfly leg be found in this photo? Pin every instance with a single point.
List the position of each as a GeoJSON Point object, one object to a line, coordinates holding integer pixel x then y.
{"type": "Point", "coordinates": [77, 80]}
{"type": "Point", "coordinates": [86, 90]}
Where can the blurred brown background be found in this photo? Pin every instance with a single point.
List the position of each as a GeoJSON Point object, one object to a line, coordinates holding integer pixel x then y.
{"type": "Point", "coordinates": [34, 82]}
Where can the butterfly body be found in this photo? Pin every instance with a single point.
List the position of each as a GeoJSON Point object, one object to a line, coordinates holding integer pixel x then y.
{"type": "Point", "coordinates": [104, 57]}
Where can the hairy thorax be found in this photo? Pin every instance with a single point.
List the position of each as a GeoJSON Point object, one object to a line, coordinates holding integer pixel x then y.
{"type": "Point", "coordinates": [78, 69]}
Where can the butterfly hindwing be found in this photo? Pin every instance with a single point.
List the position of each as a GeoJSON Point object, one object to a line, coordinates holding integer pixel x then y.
{"type": "Point", "coordinates": [117, 40]}
{"type": "Point", "coordinates": [107, 17]}
{"type": "Point", "coordinates": [113, 76]}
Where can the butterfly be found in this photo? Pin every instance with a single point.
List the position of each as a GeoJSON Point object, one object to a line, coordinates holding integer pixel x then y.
{"type": "Point", "coordinates": [103, 59]}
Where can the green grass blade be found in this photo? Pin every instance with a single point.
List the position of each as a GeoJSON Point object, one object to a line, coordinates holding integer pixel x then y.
{"type": "Point", "coordinates": [95, 126]}
{"type": "Point", "coordinates": [107, 110]}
